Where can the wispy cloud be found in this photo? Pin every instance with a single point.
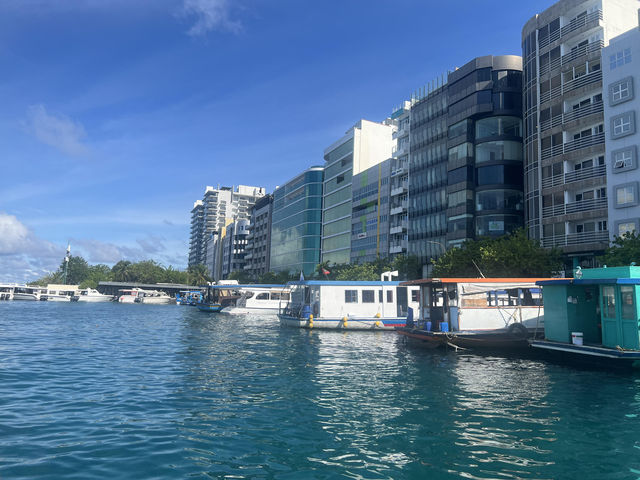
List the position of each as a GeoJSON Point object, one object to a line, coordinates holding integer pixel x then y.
{"type": "Point", "coordinates": [57, 131]}
{"type": "Point", "coordinates": [210, 15]}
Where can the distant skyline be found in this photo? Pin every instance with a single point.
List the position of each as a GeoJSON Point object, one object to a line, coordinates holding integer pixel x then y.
{"type": "Point", "coordinates": [116, 114]}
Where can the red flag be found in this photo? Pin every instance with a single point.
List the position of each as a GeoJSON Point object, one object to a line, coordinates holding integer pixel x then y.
{"type": "Point", "coordinates": [325, 272]}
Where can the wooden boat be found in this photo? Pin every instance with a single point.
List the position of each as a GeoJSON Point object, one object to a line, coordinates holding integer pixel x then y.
{"type": "Point", "coordinates": [216, 297]}
{"type": "Point", "coordinates": [348, 305]}
{"type": "Point", "coordinates": [476, 313]}
{"type": "Point", "coordinates": [594, 317]}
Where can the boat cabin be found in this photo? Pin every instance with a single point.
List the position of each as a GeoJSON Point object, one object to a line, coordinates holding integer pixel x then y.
{"type": "Point", "coordinates": [599, 307]}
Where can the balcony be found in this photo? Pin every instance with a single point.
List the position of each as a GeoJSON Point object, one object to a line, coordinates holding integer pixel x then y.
{"type": "Point", "coordinates": [574, 207]}
{"type": "Point", "coordinates": [551, 122]}
{"type": "Point", "coordinates": [400, 189]}
{"type": "Point", "coordinates": [398, 151]}
{"type": "Point", "coordinates": [398, 228]}
{"type": "Point", "coordinates": [575, 239]}
{"type": "Point", "coordinates": [583, 50]}
{"type": "Point", "coordinates": [592, 20]}
{"type": "Point", "coordinates": [550, 94]}
{"type": "Point", "coordinates": [575, 176]}
{"type": "Point", "coordinates": [398, 171]}
{"type": "Point", "coordinates": [585, 111]}
{"type": "Point", "coordinates": [572, 146]}
{"type": "Point", "coordinates": [396, 209]}
{"type": "Point", "coordinates": [397, 248]}
{"type": "Point", "coordinates": [592, 77]}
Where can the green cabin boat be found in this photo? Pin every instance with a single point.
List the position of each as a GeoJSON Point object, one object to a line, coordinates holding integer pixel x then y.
{"type": "Point", "coordinates": [594, 317]}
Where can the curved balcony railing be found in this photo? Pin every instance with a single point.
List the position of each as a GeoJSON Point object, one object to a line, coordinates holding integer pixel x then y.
{"type": "Point", "coordinates": [575, 239]}
{"type": "Point", "coordinates": [575, 176]}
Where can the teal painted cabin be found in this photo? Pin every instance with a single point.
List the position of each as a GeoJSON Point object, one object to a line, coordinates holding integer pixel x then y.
{"type": "Point", "coordinates": [602, 305]}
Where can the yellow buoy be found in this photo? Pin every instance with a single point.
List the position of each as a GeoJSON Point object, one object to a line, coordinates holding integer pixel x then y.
{"type": "Point", "coordinates": [378, 315]}
{"type": "Point", "coordinates": [377, 323]}
{"type": "Point", "coordinates": [310, 321]}
{"type": "Point", "coordinates": [345, 324]}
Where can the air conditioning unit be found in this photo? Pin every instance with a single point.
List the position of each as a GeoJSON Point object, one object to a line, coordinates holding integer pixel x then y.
{"type": "Point", "coordinates": [362, 235]}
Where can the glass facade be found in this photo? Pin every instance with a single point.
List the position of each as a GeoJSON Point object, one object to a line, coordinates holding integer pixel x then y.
{"type": "Point", "coordinates": [297, 223]}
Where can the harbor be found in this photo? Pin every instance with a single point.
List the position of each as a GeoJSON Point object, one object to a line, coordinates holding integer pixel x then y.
{"type": "Point", "coordinates": [125, 391]}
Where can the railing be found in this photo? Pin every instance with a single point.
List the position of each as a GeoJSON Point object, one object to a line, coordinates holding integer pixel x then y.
{"type": "Point", "coordinates": [398, 171]}
{"type": "Point", "coordinates": [574, 207]}
{"type": "Point", "coordinates": [551, 94]}
{"type": "Point", "coordinates": [396, 248]}
{"type": "Point", "coordinates": [584, 142]}
{"type": "Point", "coordinates": [400, 150]}
{"type": "Point", "coordinates": [576, 23]}
{"type": "Point", "coordinates": [575, 239]}
{"type": "Point", "coordinates": [575, 176]}
{"type": "Point", "coordinates": [583, 112]}
{"type": "Point", "coordinates": [582, 81]}
{"type": "Point", "coordinates": [549, 39]}
{"type": "Point", "coordinates": [552, 151]}
{"type": "Point", "coordinates": [555, 63]}
{"type": "Point", "coordinates": [550, 123]}
{"type": "Point", "coordinates": [583, 50]}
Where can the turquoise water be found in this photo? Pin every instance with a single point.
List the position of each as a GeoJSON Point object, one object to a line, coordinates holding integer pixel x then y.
{"type": "Point", "coordinates": [137, 391]}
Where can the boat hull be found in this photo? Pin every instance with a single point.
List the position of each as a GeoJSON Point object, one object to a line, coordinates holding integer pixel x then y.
{"type": "Point", "coordinates": [477, 340]}
{"type": "Point", "coordinates": [589, 354]}
{"type": "Point", "coordinates": [26, 296]}
{"type": "Point", "coordinates": [209, 307]}
{"type": "Point", "coordinates": [271, 312]}
{"type": "Point", "coordinates": [55, 298]}
{"type": "Point", "coordinates": [157, 301]}
{"type": "Point", "coordinates": [389, 324]}
{"type": "Point", "coordinates": [90, 299]}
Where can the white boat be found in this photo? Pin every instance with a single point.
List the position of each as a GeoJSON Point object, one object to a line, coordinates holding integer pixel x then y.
{"type": "Point", "coordinates": [28, 293]}
{"type": "Point", "coordinates": [90, 295]}
{"type": "Point", "coordinates": [259, 300]}
{"type": "Point", "coordinates": [6, 291]}
{"type": "Point", "coordinates": [349, 305]}
{"type": "Point", "coordinates": [154, 297]}
{"type": "Point", "coordinates": [59, 293]}
{"type": "Point", "coordinates": [129, 295]}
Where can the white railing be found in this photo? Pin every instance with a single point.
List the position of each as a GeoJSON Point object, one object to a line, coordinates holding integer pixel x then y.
{"type": "Point", "coordinates": [575, 239]}
{"type": "Point", "coordinates": [582, 81]}
{"type": "Point", "coordinates": [596, 107]}
{"type": "Point", "coordinates": [583, 50]}
{"type": "Point", "coordinates": [592, 18]}
{"type": "Point", "coordinates": [584, 142]}
{"type": "Point", "coordinates": [550, 123]}
{"type": "Point", "coordinates": [574, 207]}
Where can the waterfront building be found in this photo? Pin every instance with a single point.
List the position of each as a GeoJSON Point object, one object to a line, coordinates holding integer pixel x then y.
{"type": "Point", "coordinates": [370, 213]}
{"type": "Point", "coordinates": [621, 109]}
{"type": "Point", "coordinates": [233, 245]}
{"type": "Point", "coordinates": [364, 145]}
{"type": "Point", "coordinates": [258, 250]}
{"type": "Point", "coordinates": [564, 131]}
{"type": "Point", "coordinates": [296, 224]}
{"type": "Point", "coordinates": [399, 181]}
{"type": "Point", "coordinates": [484, 149]}
{"type": "Point", "coordinates": [197, 240]}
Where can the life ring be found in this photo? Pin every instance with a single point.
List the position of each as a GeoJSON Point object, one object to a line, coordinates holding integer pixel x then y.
{"type": "Point", "coordinates": [518, 330]}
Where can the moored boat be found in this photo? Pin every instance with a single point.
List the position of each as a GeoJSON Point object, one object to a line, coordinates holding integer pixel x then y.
{"type": "Point", "coordinates": [259, 300]}
{"type": "Point", "coordinates": [478, 313]}
{"type": "Point", "coordinates": [348, 305]}
{"type": "Point", "coordinates": [129, 295]}
{"type": "Point", "coordinates": [594, 317]}
{"type": "Point", "coordinates": [28, 293]}
{"type": "Point", "coordinates": [217, 297]}
{"type": "Point", "coordinates": [90, 295]}
{"type": "Point", "coordinates": [6, 291]}
{"type": "Point", "coordinates": [59, 293]}
{"type": "Point", "coordinates": [188, 297]}
{"type": "Point", "coordinates": [154, 297]}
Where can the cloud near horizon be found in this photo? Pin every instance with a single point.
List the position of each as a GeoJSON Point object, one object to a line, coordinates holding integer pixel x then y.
{"type": "Point", "coordinates": [57, 131]}
{"type": "Point", "coordinates": [210, 15]}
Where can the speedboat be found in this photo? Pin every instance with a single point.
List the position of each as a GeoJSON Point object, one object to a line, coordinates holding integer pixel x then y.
{"type": "Point", "coordinates": [6, 291]}
{"type": "Point", "coordinates": [59, 293]}
{"type": "Point", "coordinates": [154, 297]}
{"type": "Point", "coordinates": [129, 295]}
{"type": "Point", "coordinates": [259, 300]}
{"type": "Point", "coordinates": [90, 295]}
{"type": "Point", "coordinates": [382, 305]}
{"type": "Point", "coordinates": [28, 293]}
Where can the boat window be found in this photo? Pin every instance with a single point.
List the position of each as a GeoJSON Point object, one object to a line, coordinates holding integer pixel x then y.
{"type": "Point", "coordinates": [380, 297]}
{"type": "Point", "coordinates": [285, 296]}
{"type": "Point", "coordinates": [609, 302]}
{"type": "Point", "coordinates": [248, 295]}
{"type": "Point", "coordinates": [628, 304]}
{"type": "Point", "coordinates": [350, 296]}
{"type": "Point", "coordinates": [368, 296]}
{"type": "Point", "coordinates": [415, 296]}
{"type": "Point", "coordinates": [389, 296]}
{"type": "Point", "coordinates": [263, 296]}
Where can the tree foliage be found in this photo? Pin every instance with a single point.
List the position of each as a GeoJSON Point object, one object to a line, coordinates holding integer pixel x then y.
{"type": "Point", "coordinates": [408, 267]}
{"type": "Point", "coordinates": [512, 255]}
{"type": "Point", "coordinates": [623, 251]}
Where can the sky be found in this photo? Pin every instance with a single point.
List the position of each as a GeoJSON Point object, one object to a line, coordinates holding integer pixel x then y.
{"type": "Point", "coordinates": [116, 114]}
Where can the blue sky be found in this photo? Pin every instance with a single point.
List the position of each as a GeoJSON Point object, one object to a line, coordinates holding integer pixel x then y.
{"type": "Point", "coordinates": [117, 113]}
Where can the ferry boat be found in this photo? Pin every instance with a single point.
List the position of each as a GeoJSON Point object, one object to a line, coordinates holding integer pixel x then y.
{"type": "Point", "coordinates": [6, 291]}
{"type": "Point", "coordinates": [90, 295]}
{"type": "Point", "coordinates": [259, 300]}
{"type": "Point", "coordinates": [349, 305]}
{"type": "Point", "coordinates": [154, 297]}
{"type": "Point", "coordinates": [489, 313]}
{"type": "Point", "coordinates": [59, 293]}
{"type": "Point", "coordinates": [216, 297]}
{"type": "Point", "coordinates": [593, 318]}
{"type": "Point", "coordinates": [28, 293]}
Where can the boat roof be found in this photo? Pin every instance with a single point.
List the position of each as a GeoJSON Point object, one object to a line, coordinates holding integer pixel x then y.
{"type": "Point", "coordinates": [590, 281]}
{"type": "Point", "coordinates": [427, 281]}
{"type": "Point", "coordinates": [235, 285]}
{"type": "Point", "coordinates": [345, 283]}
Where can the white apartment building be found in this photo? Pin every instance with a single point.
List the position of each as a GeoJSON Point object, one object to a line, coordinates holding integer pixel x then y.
{"type": "Point", "coordinates": [398, 204]}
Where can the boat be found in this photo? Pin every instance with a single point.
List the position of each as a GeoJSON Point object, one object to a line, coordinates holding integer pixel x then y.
{"type": "Point", "coordinates": [344, 305]}
{"type": "Point", "coordinates": [6, 291]}
{"type": "Point", "coordinates": [129, 295]}
{"type": "Point", "coordinates": [155, 297]}
{"type": "Point", "coordinates": [259, 300]}
{"type": "Point", "coordinates": [59, 293]}
{"type": "Point", "coordinates": [28, 293]}
{"type": "Point", "coordinates": [476, 313]}
{"type": "Point", "coordinates": [216, 297]}
{"type": "Point", "coordinates": [188, 297]}
{"type": "Point", "coordinates": [593, 318]}
{"type": "Point", "coordinates": [90, 295]}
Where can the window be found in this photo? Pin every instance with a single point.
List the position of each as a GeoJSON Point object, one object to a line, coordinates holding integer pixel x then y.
{"type": "Point", "coordinates": [624, 159]}
{"type": "Point", "coordinates": [350, 296]}
{"type": "Point", "coordinates": [626, 195]}
{"type": "Point", "coordinates": [415, 296]}
{"type": "Point", "coordinates": [389, 296]}
{"type": "Point", "coordinates": [623, 125]}
{"type": "Point", "coordinates": [621, 91]}
{"type": "Point", "coordinates": [620, 58]}
{"type": "Point", "coordinates": [625, 226]}
{"type": "Point", "coordinates": [368, 296]}
{"type": "Point", "coordinates": [380, 296]}
{"type": "Point", "coordinates": [263, 296]}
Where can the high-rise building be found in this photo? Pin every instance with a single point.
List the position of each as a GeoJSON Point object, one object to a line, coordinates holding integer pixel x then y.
{"type": "Point", "coordinates": [197, 247]}
{"type": "Point", "coordinates": [296, 224]}
{"type": "Point", "coordinates": [621, 77]}
{"type": "Point", "coordinates": [366, 144]}
{"type": "Point", "coordinates": [564, 132]}
{"type": "Point", "coordinates": [370, 213]}
{"type": "Point", "coordinates": [258, 250]}
{"type": "Point", "coordinates": [399, 181]}
{"type": "Point", "coordinates": [234, 243]}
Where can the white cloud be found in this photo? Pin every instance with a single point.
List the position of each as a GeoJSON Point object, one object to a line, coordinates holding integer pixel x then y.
{"type": "Point", "coordinates": [210, 15]}
{"type": "Point", "coordinates": [58, 131]}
